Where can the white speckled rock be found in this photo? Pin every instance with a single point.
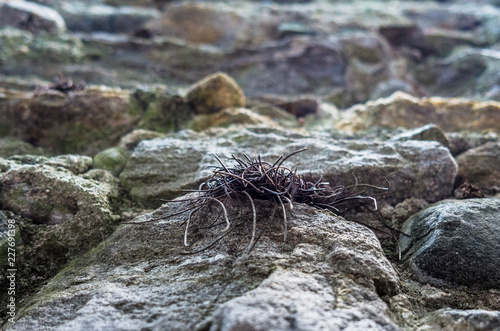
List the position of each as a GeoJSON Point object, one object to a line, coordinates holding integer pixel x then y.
{"type": "Point", "coordinates": [58, 215]}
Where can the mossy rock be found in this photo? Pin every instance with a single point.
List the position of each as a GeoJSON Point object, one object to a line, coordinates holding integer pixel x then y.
{"type": "Point", "coordinates": [12, 146]}
{"type": "Point", "coordinates": [18, 47]}
{"type": "Point", "coordinates": [58, 216]}
{"type": "Point", "coordinates": [164, 110]}
{"type": "Point", "coordinates": [112, 159]}
{"type": "Point", "coordinates": [83, 122]}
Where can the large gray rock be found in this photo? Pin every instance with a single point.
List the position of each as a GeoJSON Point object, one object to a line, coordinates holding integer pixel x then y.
{"type": "Point", "coordinates": [427, 132]}
{"type": "Point", "coordinates": [292, 300]}
{"type": "Point", "coordinates": [455, 242]}
{"type": "Point", "coordinates": [463, 141]}
{"type": "Point", "coordinates": [77, 164]}
{"type": "Point", "coordinates": [214, 24]}
{"type": "Point", "coordinates": [419, 169]}
{"type": "Point", "coordinates": [368, 64]}
{"type": "Point", "coordinates": [435, 36]}
{"type": "Point", "coordinates": [465, 73]}
{"type": "Point", "coordinates": [329, 275]}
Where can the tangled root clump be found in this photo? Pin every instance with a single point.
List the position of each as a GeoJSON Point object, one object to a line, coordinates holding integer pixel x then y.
{"type": "Point", "coordinates": [251, 179]}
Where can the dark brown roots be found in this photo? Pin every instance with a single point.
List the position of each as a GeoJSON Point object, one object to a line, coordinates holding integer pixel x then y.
{"type": "Point", "coordinates": [251, 179]}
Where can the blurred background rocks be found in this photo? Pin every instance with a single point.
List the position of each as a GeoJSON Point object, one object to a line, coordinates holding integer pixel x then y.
{"type": "Point", "coordinates": [108, 106]}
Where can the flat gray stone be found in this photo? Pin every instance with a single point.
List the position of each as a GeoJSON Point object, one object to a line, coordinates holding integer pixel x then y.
{"type": "Point", "coordinates": [292, 300]}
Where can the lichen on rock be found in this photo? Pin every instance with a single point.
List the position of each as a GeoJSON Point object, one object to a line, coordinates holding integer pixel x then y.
{"type": "Point", "coordinates": [82, 122]}
{"type": "Point", "coordinates": [112, 159]}
{"type": "Point", "coordinates": [58, 214]}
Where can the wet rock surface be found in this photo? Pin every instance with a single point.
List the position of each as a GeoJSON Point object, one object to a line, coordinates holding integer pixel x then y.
{"type": "Point", "coordinates": [106, 107]}
{"type": "Point", "coordinates": [455, 241]}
